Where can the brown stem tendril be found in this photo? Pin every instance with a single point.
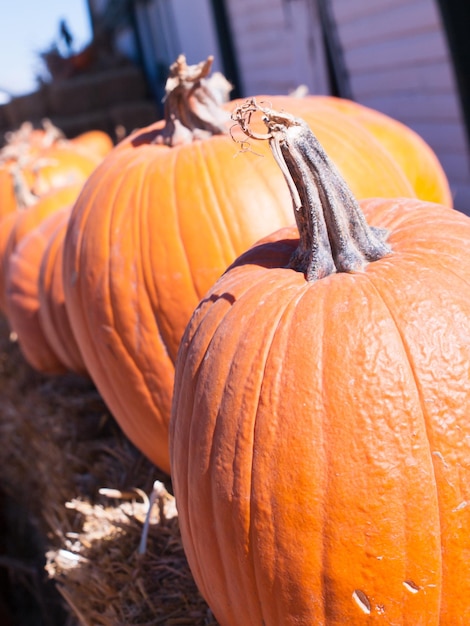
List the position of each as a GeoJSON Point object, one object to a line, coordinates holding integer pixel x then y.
{"type": "Point", "coordinates": [334, 235]}
{"type": "Point", "coordinates": [192, 103]}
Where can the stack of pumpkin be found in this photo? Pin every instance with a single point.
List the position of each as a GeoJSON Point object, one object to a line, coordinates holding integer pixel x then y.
{"type": "Point", "coordinates": [41, 175]}
{"type": "Point", "coordinates": [316, 425]}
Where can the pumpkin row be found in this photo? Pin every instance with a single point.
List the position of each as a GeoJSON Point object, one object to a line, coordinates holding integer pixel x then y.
{"type": "Point", "coordinates": [133, 258]}
{"type": "Point", "coordinates": [155, 223]}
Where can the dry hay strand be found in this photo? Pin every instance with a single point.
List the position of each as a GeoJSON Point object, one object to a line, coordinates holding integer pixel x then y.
{"type": "Point", "coordinates": [130, 586]}
{"type": "Point", "coordinates": [83, 486]}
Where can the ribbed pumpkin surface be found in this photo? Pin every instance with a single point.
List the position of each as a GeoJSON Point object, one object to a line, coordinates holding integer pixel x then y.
{"type": "Point", "coordinates": [151, 231]}
{"type": "Point", "coordinates": [22, 295]}
{"type": "Point", "coordinates": [14, 226]}
{"type": "Point", "coordinates": [320, 436]}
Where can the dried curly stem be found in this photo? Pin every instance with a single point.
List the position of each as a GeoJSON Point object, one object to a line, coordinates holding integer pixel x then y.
{"type": "Point", "coordinates": [192, 103]}
{"type": "Point", "coordinates": [334, 234]}
{"type": "Point", "coordinates": [23, 194]}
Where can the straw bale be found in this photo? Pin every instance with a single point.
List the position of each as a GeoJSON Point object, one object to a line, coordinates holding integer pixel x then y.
{"type": "Point", "coordinates": [65, 464]}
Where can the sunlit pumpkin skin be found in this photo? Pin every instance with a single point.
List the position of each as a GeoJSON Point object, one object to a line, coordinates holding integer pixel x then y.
{"type": "Point", "coordinates": [96, 141]}
{"type": "Point", "coordinates": [320, 441]}
{"type": "Point", "coordinates": [22, 295]}
{"type": "Point", "coordinates": [7, 223]}
{"type": "Point", "coordinates": [14, 226]}
{"type": "Point", "coordinates": [154, 227]}
{"type": "Point", "coordinates": [417, 159]}
{"type": "Point", "coordinates": [7, 194]}
{"type": "Point", "coordinates": [34, 161]}
{"type": "Point", "coordinates": [413, 156]}
{"type": "Point", "coordinates": [58, 166]}
{"type": "Point", "coordinates": [53, 317]}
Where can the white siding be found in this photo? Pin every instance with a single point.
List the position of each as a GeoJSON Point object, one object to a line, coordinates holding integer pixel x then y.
{"type": "Point", "coordinates": [191, 15]}
{"type": "Point", "coordinates": [278, 46]}
{"type": "Point", "coordinates": [167, 29]}
{"type": "Point", "coordinates": [398, 60]}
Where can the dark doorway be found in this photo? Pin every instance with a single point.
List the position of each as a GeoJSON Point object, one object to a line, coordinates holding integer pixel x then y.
{"type": "Point", "coordinates": [456, 18]}
{"type": "Point", "coordinates": [227, 49]}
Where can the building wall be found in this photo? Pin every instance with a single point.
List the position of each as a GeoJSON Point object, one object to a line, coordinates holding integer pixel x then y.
{"type": "Point", "coordinates": [278, 45]}
{"type": "Point", "coordinates": [398, 61]}
{"type": "Point", "coordinates": [395, 51]}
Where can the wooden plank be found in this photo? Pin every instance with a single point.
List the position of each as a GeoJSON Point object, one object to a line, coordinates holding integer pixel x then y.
{"type": "Point", "coordinates": [278, 46]}
{"type": "Point", "coordinates": [417, 106]}
{"type": "Point", "coordinates": [461, 195]}
{"type": "Point", "coordinates": [349, 10]}
{"type": "Point", "coordinates": [443, 137]}
{"type": "Point", "coordinates": [423, 77]}
{"type": "Point", "coordinates": [456, 166]}
{"type": "Point", "coordinates": [419, 48]}
{"type": "Point", "coordinates": [281, 81]}
{"type": "Point", "coordinates": [394, 23]}
{"type": "Point", "coordinates": [256, 59]}
{"type": "Point", "coordinates": [258, 16]}
{"type": "Point", "coordinates": [399, 63]}
{"type": "Point", "coordinates": [197, 48]}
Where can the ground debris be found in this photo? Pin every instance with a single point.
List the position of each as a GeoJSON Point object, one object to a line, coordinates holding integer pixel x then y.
{"type": "Point", "coordinates": [71, 475]}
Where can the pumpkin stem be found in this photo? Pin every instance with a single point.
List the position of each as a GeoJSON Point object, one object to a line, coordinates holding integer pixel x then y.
{"type": "Point", "coordinates": [52, 133]}
{"type": "Point", "coordinates": [334, 234]}
{"type": "Point", "coordinates": [24, 196]}
{"type": "Point", "coordinates": [193, 103]}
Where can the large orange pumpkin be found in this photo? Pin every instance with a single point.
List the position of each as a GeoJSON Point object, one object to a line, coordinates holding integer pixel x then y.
{"type": "Point", "coordinates": [57, 166]}
{"type": "Point", "coordinates": [96, 141]}
{"type": "Point", "coordinates": [34, 161]}
{"type": "Point", "coordinates": [7, 193]}
{"type": "Point", "coordinates": [320, 434]}
{"type": "Point", "coordinates": [14, 226]}
{"type": "Point", "coordinates": [415, 157]}
{"type": "Point", "coordinates": [22, 302]}
{"type": "Point", "coordinates": [155, 225]}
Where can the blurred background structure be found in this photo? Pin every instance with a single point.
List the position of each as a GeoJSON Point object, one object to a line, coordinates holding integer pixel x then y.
{"type": "Point", "coordinates": [407, 58]}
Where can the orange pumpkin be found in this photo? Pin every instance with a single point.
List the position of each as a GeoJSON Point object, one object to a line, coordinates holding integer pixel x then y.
{"type": "Point", "coordinates": [57, 166]}
{"type": "Point", "coordinates": [320, 439]}
{"type": "Point", "coordinates": [7, 193]}
{"type": "Point", "coordinates": [96, 141]}
{"type": "Point", "coordinates": [155, 225]}
{"type": "Point", "coordinates": [22, 295]}
{"type": "Point", "coordinates": [14, 226]}
{"type": "Point", "coordinates": [413, 156]}
{"type": "Point", "coordinates": [7, 224]}
{"type": "Point", "coordinates": [416, 158]}
{"type": "Point", "coordinates": [36, 160]}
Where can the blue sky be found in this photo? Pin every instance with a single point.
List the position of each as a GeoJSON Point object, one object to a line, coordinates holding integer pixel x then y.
{"type": "Point", "coordinates": [30, 27]}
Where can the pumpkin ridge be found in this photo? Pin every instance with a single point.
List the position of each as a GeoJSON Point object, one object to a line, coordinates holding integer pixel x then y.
{"type": "Point", "coordinates": [104, 377]}
{"type": "Point", "coordinates": [324, 577]}
{"type": "Point", "coordinates": [371, 369]}
{"type": "Point", "coordinates": [217, 424]}
{"type": "Point", "coordinates": [284, 318]}
{"type": "Point", "coordinates": [190, 435]}
{"type": "Point", "coordinates": [207, 151]}
{"type": "Point", "coordinates": [321, 447]}
{"type": "Point", "coordinates": [115, 220]}
{"type": "Point", "coordinates": [150, 213]}
{"type": "Point", "coordinates": [437, 459]}
{"type": "Point", "coordinates": [21, 291]}
{"type": "Point", "coordinates": [284, 308]}
{"type": "Point", "coordinates": [115, 322]}
{"type": "Point", "coordinates": [422, 402]}
{"type": "Point", "coordinates": [175, 153]}
{"type": "Point", "coordinates": [207, 210]}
